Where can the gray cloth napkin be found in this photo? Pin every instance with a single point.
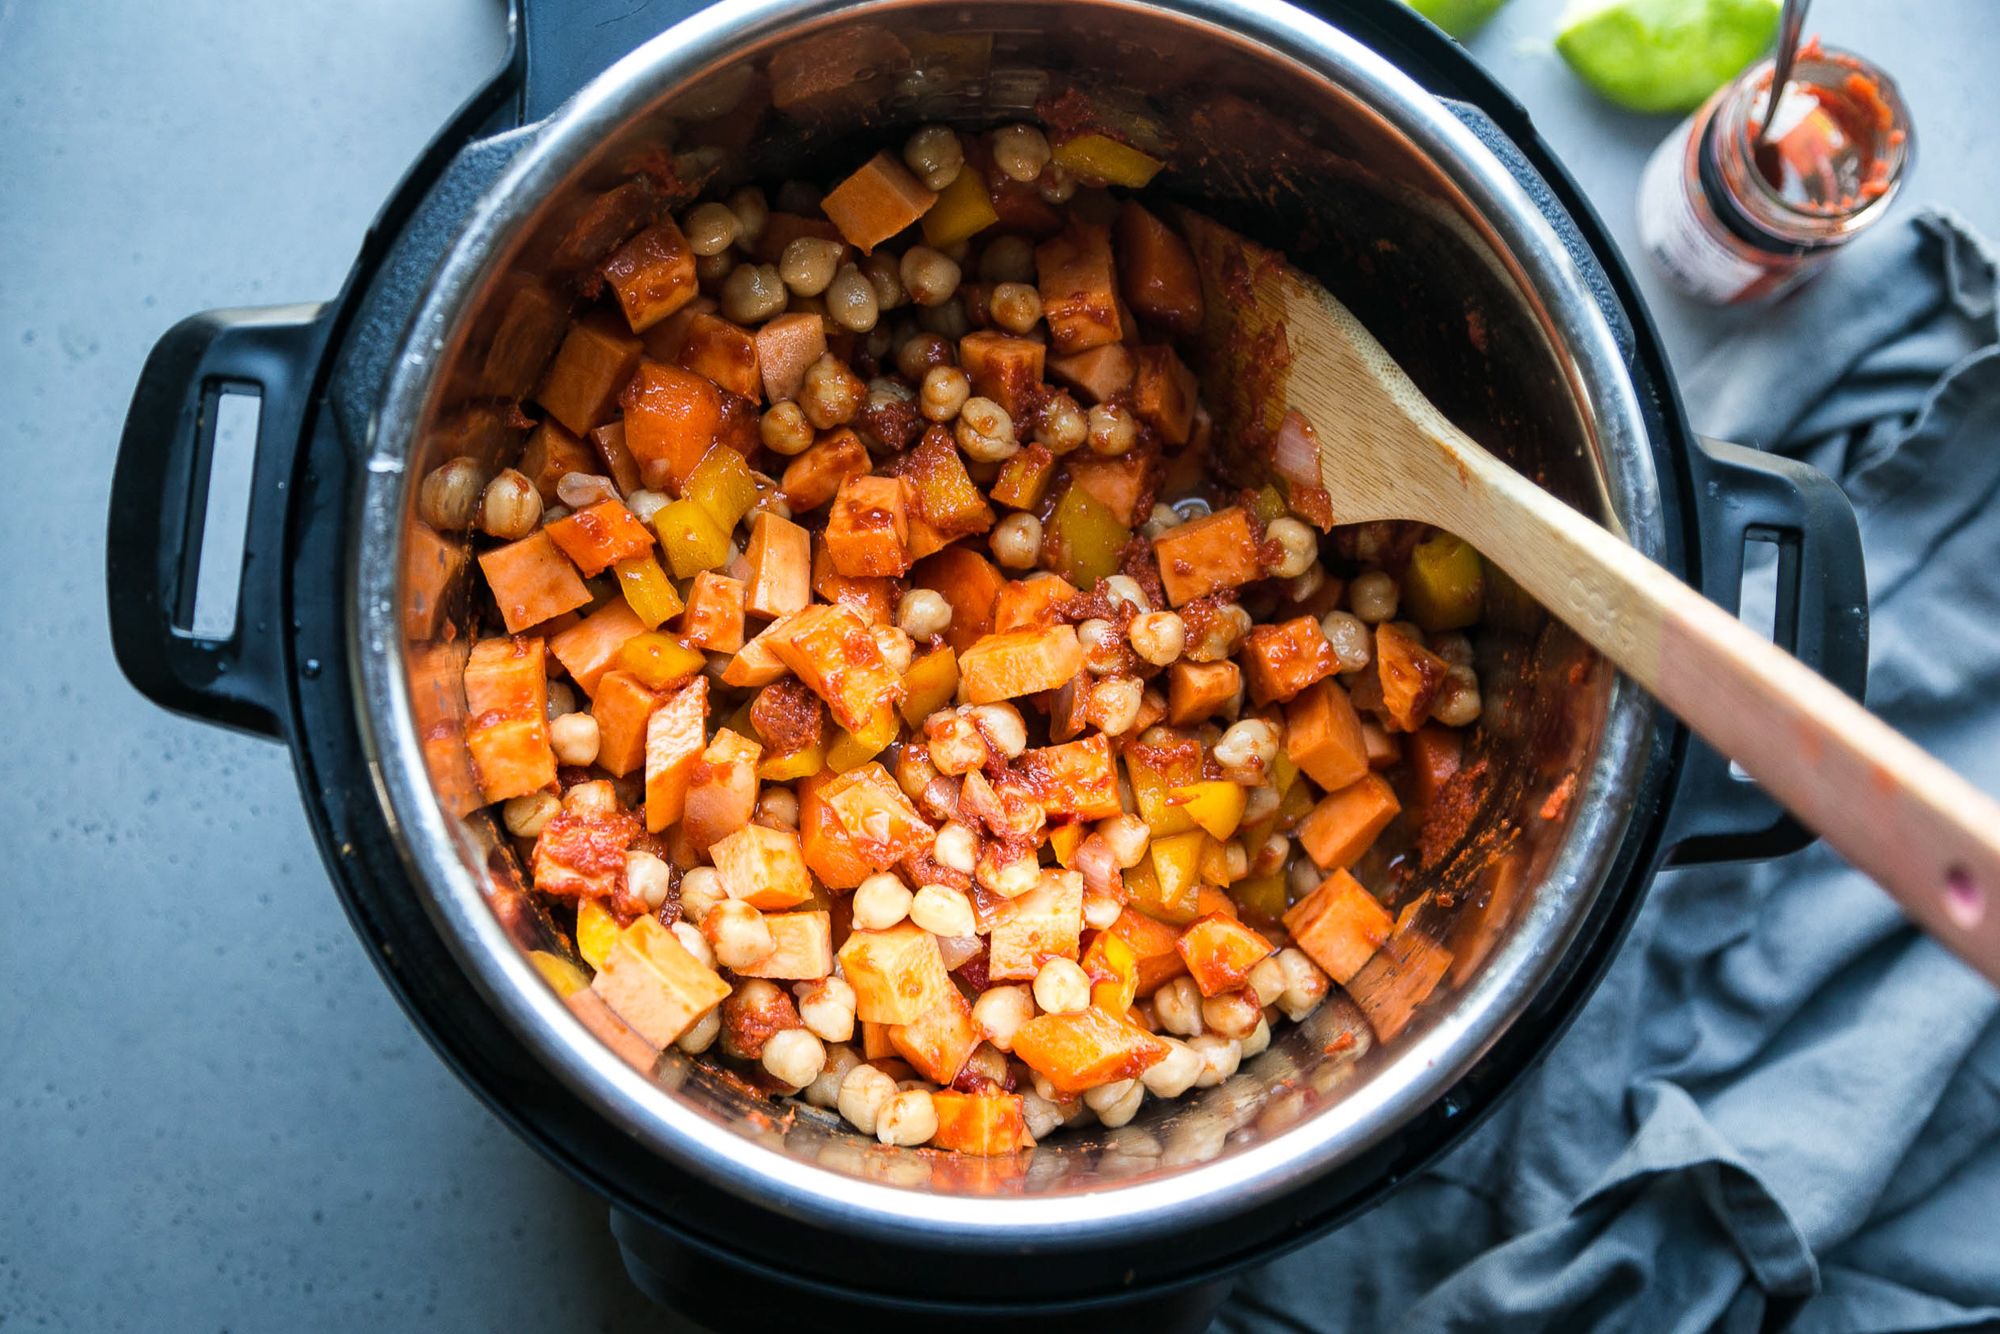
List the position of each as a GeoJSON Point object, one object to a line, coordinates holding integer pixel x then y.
{"type": "Point", "coordinates": [1783, 1103]}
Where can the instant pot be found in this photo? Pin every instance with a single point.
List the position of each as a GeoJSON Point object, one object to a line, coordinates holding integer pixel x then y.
{"type": "Point", "coordinates": [1357, 138]}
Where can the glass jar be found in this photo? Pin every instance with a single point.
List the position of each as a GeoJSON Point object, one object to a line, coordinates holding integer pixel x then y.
{"type": "Point", "coordinates": [1731, 220]}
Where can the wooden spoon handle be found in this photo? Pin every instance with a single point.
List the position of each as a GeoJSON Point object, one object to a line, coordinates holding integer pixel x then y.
{"type": "Point", "coordinates": [1923, 833]}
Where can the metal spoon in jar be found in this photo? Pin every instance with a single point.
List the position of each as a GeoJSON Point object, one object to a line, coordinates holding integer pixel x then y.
{"type": "Point", "coordinates": [1791, 28]}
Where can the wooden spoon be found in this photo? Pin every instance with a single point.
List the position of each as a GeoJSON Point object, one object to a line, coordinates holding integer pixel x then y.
{"type": "Point", "coordinates": [1923, 833]}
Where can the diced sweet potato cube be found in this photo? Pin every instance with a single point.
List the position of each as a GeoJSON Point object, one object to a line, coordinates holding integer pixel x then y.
{"type": "Point", "coordinates": [873, 598]}
{"type": "Point", "coordinates": [868, 530]}
{"type": "Point", "coordinates": [1323, 736]}
{"type": "Point", "coordinates": [898, 975]}
{"type": "Point", "coordinates": [506, 710]}
{"type": "Point", "coordinates": [714, 616]}
{"type": "Point", "coordinates": [724, 353]}
{"type": "Point", "coordinates": [1399, 978]}
{"type": "Point", "coordinates": [1006, 369]}
{"type": "Point", "coordinates": [1383, 749]}
{"type": "Point", "coordinates": [589, 649]}
{"type": "Point", "coordinates": [1024, 479]}
{"type": "Point", "coordinates": [1077, 778]}
{"type": "Point", "coordinates": [828, 851]}
{"type": "Point", "coordinates": [1197, 691]}
{"type": "Point", "coordinates": [780, 557]}
{"type": "Point", "coordinates": [580, 852]}
{"type": "Point", "coordinates": [664, 341]}
{"type": "Point", "coordinates": [551, 452]}
{"type": "Point", "coordinates": [985, 1125]}
{"type": "Point", "coordinates": [1040, 925]}
{"type": "Point", "coordinates": [530, 330]}
{"type": "Point", "coordinates": [764, 867]}
{"type": "Point", "coordinates": [1207, 555]}
{"type": "Point", "coordinates": [1156, 271]}
{"type": "Point", "coordinates": [1435, 754]}
{"type": "Point", "coordinates": [531, 581]}
{"type": "Point", "coordinates": [881, 825]}
{"type": "Point", "coordinates": [583, 382]}
{"type": "Point", "coordinates": [875, 1044]}
{"type": "Point", "coordinates": [607, 442]}
{"type": "Point", "coordinates": [621, 704]}
{"type": "Point", "coordinates": [1346, 823]}
{"type": "Point", "coordinates": [1411, 677]}
{"type": "Point", "coordinates": [591, 1011]}
{"type": "Point", "coordinates": [877, 201]}
{"type": "Point", "coordinates": [722, 790]}
{"type": "Point", "coordinates": [1098, 374]}
{"type": "Point", "coordinates": [970, 583]}
{"type": "Point", "coordinates": [652, 274]}
{"type": "Point", "coordinates": [832, 651]}
{"type": "Point", "coordinates": [1220, 952]}
{"type": "Point", "coordinates": [1022, 662]}
{"type": "Point", "coordinates": [1079, 290]}
{"type": "Point", "coordinates": [801, 948]}
{"type": "Point", "coordinates": [942, 493]}
{"type": "Point", "coordinates": [598, 535]}
{"type": "Point", "coordinates": [676, 735]}
{"type": "Point", "coordinates": [1153, 942]}
{"type": "Point", "coordinates": [1079, 1052]}
{"type": "Point", "coordinates": [937, 1042]}
{"type": "Point", "coordinates": [672, 418]}
{"type": "Point", "coordinates": [1163, 393]}
{"type": "Point", "coordinates": [1281, 660]}
{"type": "Point", "coordinates": [1339, 925]}
{"type": "Point", "coordinates": [431, 565]}
{"type": "Point", "coordinates": [1030, 604]}
{"type": "Point", "coordinates": [785, 347]}
{"type": "Point", "coordinates": [814, 477]}
{"type": "Point", "coordinates": [755, 664]}
{"type": "Point", "coordinates": [1117, 484]}
{"type": "Point", "coordinates": [651, 982]}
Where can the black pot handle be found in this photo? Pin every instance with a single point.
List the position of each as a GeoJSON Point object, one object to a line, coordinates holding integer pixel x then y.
{"type": "Point", "coordinates": [567, 43]}
{"type": "Point", "coordinates": [159, 508]}
{"type": "Point", "coordinates": [1821, 617]}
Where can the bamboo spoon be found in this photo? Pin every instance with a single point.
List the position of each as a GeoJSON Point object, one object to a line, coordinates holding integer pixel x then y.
{"type": "Point", "coordinates": [1919, 830]}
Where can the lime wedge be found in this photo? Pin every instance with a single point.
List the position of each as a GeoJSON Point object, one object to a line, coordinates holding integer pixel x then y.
{"type": "Point", "coordinates": [1663, 55]}
{"type": "Point", "coordinates": [1460, 18]}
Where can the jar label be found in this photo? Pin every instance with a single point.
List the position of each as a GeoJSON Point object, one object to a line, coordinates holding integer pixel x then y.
{"type": "Point", "coordinates": [1674, 235]}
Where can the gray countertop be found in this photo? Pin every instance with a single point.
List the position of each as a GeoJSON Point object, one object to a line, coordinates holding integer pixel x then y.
{"type": "Point", "coordinates": [215, 1115]}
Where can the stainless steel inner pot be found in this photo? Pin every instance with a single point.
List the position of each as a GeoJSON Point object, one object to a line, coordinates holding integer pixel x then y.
{"type": "Point", "coordinates": [1299, 136]}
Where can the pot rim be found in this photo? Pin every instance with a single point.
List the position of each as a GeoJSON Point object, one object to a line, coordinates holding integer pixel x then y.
{"type": "Point", "coordinates": [1420, 1072]}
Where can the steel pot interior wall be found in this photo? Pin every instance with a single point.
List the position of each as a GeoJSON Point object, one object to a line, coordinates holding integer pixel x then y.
{"type": "Point", "coordinates": [1299, 137]}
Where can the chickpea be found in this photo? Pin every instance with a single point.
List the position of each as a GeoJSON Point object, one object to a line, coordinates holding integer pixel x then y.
{"type": "Point", "coordinates": [808, 264]}
{"type": "Point", "coordinates": [1300, 546]}
{"type": "Point", "coordinates": [944, 393]}
{"type": "Point", "coordinates": [1225, 630]}
{"type": "Point", "coordinates": [851, 301]}
{"type": "Point", "coordinates": [449, 498]}
{"type": "Point", "coordinates": [923, 613]}
{"type": "Point", "coordinates": [1305, 984]}
{"type": "Point", "coordinates": [1016, 307]}
{"type": "Point", "coordinates": [885, 275]}
{"type": "Point", "coordinates": [1231, 1014]}
{"type": "Point", "coordinates": [956, 848]}
{"type": "Point", "coordinates": [710, 228]}
{"type": "Point", "coordinates": [1015, 878]}
{"type": "Point", "coordinates": [831, 394]}
{"type": "Point", "coordinates": [737, 933]}
{"type": "Point", "coordinates": [1219, 1058]}
{"type": "Point", "coordinates": [751, 214]}
{"type": "Point", "coordinates": [928, 275]}
{"type": "Point", "coordinates": [1016, 541]}
{"type": "Point", "coordinates": [1020, 151]}
{"type": "Point", "coordinates": [863, 1095]}
{"type": "Point", "coordinates": [907, 1119]}
{"type": "Point", "coordinates": [948, 320]}
{"type": "Point", "coordinates": [645, 503]}
{"type": "Point", "coordinates": [1373, 597]}
{"type": "Point", "coordinates": [711, 271]}
{"type": "Point", "coordinates": [1235, 860]}
{"type": "Point", "coordinates": [1303, 586]}
{"type": "Point", "coordinates": [1158, 636]}
{"type": "Point", "coordinates": [880, 902]}
{"type": "Point", "coordinates": [1055, 185]}
{"type": "Point", "coordinates": [574, 738]}
{"type": "Point", "coordinates": [1116, 1103]}
{"type": "Point", "coordinates": [943, 911]}
{"type": "Point", "coordinates": [1453, 647]}
{"type": "Point", "coordinates": [826, 1006]}
{"type": "Point", "coordinates": [1127, 836]}
{"type": "Point", "coordinates": [1063, 427]}
{"type": "Point", "coordinates": [1458, 704]}
{"type": "Point", "coordinates": [562, 699]}
{"type": "Point", "coordinates": [1062, 987]}
{"type": "Point", "coordinates": [694, 942]}
{"type": "Point", "coordinates": [1003, 727]}
{"type": "Point", "coordinates": [1112, 431]}
{"type": "Point", "coordinates": [777, 808]}
{"type": "Point", "coordinates": [920, 351]}
{"type": "Point", "coordinates": [1175, 1073]}
{"type": "Point", "coordinates": [525, 815]}
{"type": "Point", "coordinates": [753, 293]}
{"type": "Point", "coordinates": [701, 1034]}
{"type": "Point", "coordinates": [1353, 644]}
{"type": "Point", "coordinates": [999, 1013]}
{"type": "Point", "coordinates": [1101, 911]}
{"type": "Point", "coordinates": [934, 156]}
{"type": "Point", "coordinates": [824, 1091]}
{"type": "Point", "coordinates": [1114, 704]}
{"type": "Point", "coordinates": [1259, 1040]}
{"type": "Point", "coordinates": [1038, 1114]}
{"type": "Point", "coordinates": [1177, 1007]}
{"type": "Point", "coordinates": [646, 876]}
{"type": "Point", "coordinates": [579, 490]}
{"type": "Point", "coordinates": [1007, 259]}
{"type": "Point", "coordinates": [955, 744]}
{"type": "Point", "coordinates": [1271, 854]}
{"type": "Point", "coordinates": [701, 890]}
{"type": "Point", "coordinates": [1249, 746]}
{"type": "Point", "coordinates": [510, 506]}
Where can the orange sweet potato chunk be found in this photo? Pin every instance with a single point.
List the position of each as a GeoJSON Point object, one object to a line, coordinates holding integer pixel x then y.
{"type": "Point", "coordinates": [1024, 479]}
{"type": "Point", "coordinates": [551, 452]}
{"type": "Point", "coordinates": [621, 704]}
{"type": "Point", "coordinates": [1117, 484]}
{"type": "Point", "coordinates": [1339, 925]}
{"type": "Point", "coordinates": [814, 477]}
{"type": "Point", "coordinates": [1079, 1052]}
{"type": "Point", "coordinates": [1435, 755]}
{"type": "Point", "coordinates": [589, 649]}
{"type": "Point", "coordinates": [608, 443]}
{"type": "Point", "coordinates": [868, 529]}
{"type": "Point", "coordinates": [597, 535]}
{"type": "Point", "coordinates": [823, 840]}
{"type": "Point", "coordinates": [755, 664]}
{"type": "Point", "coordinates": [985, 1125]}
{"type": "Point", "coordinates": [531, 581]}
{"type": "Point", "coordinates": [1281, 660]}
{"type": "Point", "coordinates": [832, 651]}
{"type": "Point", "coordinates": [1030, 604]}
{"type": "Point", "coordinates": [592, 366]}
{"type": "Point", "coordinates": [1006, 369]}
{"type": "Point", "coordinates": [1044, 923]}
{"type": "Point", "coordinates": [937, 1042]}
{"type": "Point", "coordinates": [722, 790]}
{"type": "Point", "coordinates": [880, 823]}
{"type": "Point", "coordinates": [652, 275]}
{"type": "Point", "coordinates": [1411, 677]}
{"type": "Point", "coordinates": [801, 948]}
{"type": "Point", "coordinates": [897, 975]}
{"type": "Point", "coordinates": [1345, 823]}
{"type": "Point", "coordinates": [1220, 952]}
{"type": "Point", "coordinates": [1198, 690]}
{"type": "Point", "coordinates": [1323, 736]}
{"type": "Point", "coordinates": [942, 494]}
{"type": "Point", "coordinates": [873, 599]}
{"type": "Point", "coordinates": [506, 709]}
{"type": "Point", "coordinates": [1156, 271]}
{"type": "Point", "coordinates": [651, 982]}
{"type": "Point", "coordinates": [970, 583]}
{"type": "Point", "coordinates": [714, 616]}
{"type": "Point", "coordinates": [1155, 945]}
{"type": "Point", "coordinates": [877, 201]}
{"type": "Point", "coordinates": [672, 418]}
{"type": "Point", "coordinates": [1098, 374]}
{"type": "Point", "coordinates": [780, 557]}
{"type": "Point", "coordinates": [676, 735]}
{"type": "Point", "coordinates": [1079, 290]}
{"type": "Point", "coordinates": [724, 353]}
{"type": "Point", "coordinates": [1399, 978]}
{"type": "Point", "coordinates": [1207, 555]}
{"type": "Point", "coordinates": [764, 867]}
{"type": "Point", "coordinates": [785, 347]}
{"type": "Point", "coordinates": [1077, 778]}
{"type": "Point", "coordinates": [1021, 662]}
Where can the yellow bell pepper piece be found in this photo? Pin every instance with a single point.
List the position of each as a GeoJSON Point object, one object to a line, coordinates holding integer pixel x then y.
{"type": "Point", "coordinates": [1213, 864]}
{"type": "Point", "coordinates": [932, 680]}
{"type": "Point", "coordinates": [792, 764]}
{"type": "Point", "coordinates": [1149, 896]}
{"type": "Point", "coordinates": [1177, 863]}
{"type": "Point", "coordinates": [962, 210]}
{"type": "Point", "coordinates": [1089, 538]}
{"type": "Point", "coordinates": [1267, 504]}
{"type": "Point", "coordinates": [1096, 159]}
{"type": "Point", "coordinates": [1261, 897]}
{"type": "Point", "coordinates": [1445, 586]}
{"type": "Point", "coordinates": [722, 485]}
{"type": "Point", "coordinates": [659, 660]}
{"type": "Point", "coordinates": [691, 538]}
{"type": "Point", "coordinates": [648, 592]}
{"type": "Point", "coordinates": [1064, 840]}
{"type": "Point", "coordinates": [596, 932]}
{"type": "Point", "coordinates": [851, 750]}
{"type": "Point", "coordinates": [1114, 955]}
{"type": "Point", "coordinates": [1216, 806]}
{"type": "Point", "coordinates": [1155, 800]}
{"type": "Point", "coordinates": [565, 977]}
